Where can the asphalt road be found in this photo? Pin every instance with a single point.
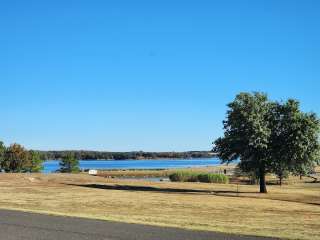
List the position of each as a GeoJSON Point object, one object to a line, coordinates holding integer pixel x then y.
{"type": "Point", "coordinates": [16, 225]}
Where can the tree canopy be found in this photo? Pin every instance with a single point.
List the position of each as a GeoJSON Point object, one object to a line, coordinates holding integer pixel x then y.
{"type": "Point", "coordinates": [16, 158]}
{"type": "Point", "coordinates": [268, 136]}
{"type": "Point", "coordinates": [69, 164]}
{"type": "Point", "coordinates": [35, 164]}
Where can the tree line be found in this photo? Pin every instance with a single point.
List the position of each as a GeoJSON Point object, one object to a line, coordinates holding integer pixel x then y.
{"type": "Point", "coordinates": [16, 158]}
{"type": "Point", "coordinates": [96, 155]}
{"type": "Point", "coordinates": [269, 137]}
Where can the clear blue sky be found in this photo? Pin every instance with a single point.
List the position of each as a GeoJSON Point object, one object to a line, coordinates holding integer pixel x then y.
{"type": "Point", "coordinates": [147, 75]}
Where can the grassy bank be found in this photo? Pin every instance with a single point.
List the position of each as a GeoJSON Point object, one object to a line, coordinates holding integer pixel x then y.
{"type": "Point", "coordinates": [291, 211]}
{"type": "Point", "coordinates": [145, 173]}
{"type": "Point", "coordinates": [193, 176]}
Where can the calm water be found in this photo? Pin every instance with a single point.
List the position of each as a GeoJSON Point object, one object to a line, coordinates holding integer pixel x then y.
{"type": "Point", "coordinates": [51, 166]}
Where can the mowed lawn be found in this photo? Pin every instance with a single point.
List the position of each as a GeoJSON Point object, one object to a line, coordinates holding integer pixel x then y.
{"type": "Point", "coordinates": [290, 211]}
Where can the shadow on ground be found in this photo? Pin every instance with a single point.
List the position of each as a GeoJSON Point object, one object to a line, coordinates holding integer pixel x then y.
{"type": "Point", "coordinates": [153, 189]}
{"type": "Point", "coordinates": [221, 193]}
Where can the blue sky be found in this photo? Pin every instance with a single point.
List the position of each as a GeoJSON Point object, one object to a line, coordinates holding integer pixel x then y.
{"type": "Point", "coordinates": [147, 75]}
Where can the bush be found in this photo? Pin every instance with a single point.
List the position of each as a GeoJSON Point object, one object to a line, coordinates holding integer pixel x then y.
{"type": "Point", "coordinates": [188, 176]}
{"type": "Point", "coordinates": [213, 178]}
{"type": "Point", "coordinates": [183, 176]}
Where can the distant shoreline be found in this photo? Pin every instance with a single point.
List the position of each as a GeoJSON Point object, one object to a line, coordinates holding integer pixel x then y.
{"type": "Point", "coordinates": [140, 159]}
{"type": "Point", "coordinates": [53, 165]}
{"type": "Point", "coordinates": [138, 155]}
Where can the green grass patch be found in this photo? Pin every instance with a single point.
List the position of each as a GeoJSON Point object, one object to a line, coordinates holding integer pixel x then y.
{"type": "Point", "coordinates": [191, 176]}
{"type": "Point", "coordinates": [184, 176]}
{"type": "Point", "coordinates": [213, 178]}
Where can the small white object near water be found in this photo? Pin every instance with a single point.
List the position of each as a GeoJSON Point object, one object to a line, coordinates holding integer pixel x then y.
{"type": "Point", "coordinates": [93, 172]}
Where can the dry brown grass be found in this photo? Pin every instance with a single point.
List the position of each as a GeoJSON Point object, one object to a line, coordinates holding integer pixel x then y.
{"type": "Point", "coordinates": [291, 211]}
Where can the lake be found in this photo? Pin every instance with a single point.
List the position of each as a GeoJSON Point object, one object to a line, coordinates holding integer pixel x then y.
{"type": "Point", "coordinates": [51, 166]}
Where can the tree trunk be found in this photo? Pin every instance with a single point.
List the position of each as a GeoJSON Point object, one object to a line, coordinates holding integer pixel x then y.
{"type": "Point", "coordinates": [263, 187]}
{"type": "Point", "coordinates": [280, 178]}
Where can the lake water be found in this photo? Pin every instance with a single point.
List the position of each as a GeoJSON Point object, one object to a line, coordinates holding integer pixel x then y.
{"type": "Point", "coordinates": [51, 166]}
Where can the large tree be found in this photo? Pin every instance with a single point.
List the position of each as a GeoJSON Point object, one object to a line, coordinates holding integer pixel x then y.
{"type": "Point", "coordinates": [294, 145]}
{"type": "Point", "coordinates": [247, 134]}
{"type": "Point", "coordinates": [16, 159]}
{"type": "Point", "coordinates": [268, 137]}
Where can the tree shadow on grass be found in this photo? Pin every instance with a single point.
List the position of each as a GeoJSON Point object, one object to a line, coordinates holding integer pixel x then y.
{"type": "Point", "coordinates": [154, 189]}
{"type": "Point", "coordinates": [139, 188]}
{"type": "Point", "coordinates": [219, 193]}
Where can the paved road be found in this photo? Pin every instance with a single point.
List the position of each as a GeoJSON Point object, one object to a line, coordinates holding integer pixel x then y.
{"type": "Point", "coordinates": [16, 225]}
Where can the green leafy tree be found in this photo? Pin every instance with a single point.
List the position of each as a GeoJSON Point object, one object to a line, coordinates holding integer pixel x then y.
{"type": "Point", "coordinates": [35, 162]}
{"type": "Point", "coordinates": [16, 159]}
{"type": "Point", "coordinates": [305, 143]}
{"type": "Point", "coordinates": [247, 134]}
{"type": "Point", "coordinates": [280, 119]}
{"type": "Point", "coordinates": [69, 164]}
{"type": "Point", "coordinates": [294, 145]}
{"type": "Point", "coordinates": [269, 137]}
{"type": "Point", "coordinates": [2, 152]}
{"type": "Point", "coordinates": [304, 169]}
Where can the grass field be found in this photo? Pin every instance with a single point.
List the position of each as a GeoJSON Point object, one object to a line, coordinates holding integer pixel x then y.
{"type": "Point", "coordinates": [290, 211]}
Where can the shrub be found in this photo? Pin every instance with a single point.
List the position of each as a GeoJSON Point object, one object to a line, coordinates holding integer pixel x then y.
{"type": "Point", "coordinates": [189, 176]}
{"type": "Point", "coordinates": [213, 178]}
{"type": "Point", "coordinates": [183, 176]}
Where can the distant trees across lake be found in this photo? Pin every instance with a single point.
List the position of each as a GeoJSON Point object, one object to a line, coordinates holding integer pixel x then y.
{"type": "Point", "coordinates": [16, 158]}
{"type": "Point", "coordinates": [96, 155]}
